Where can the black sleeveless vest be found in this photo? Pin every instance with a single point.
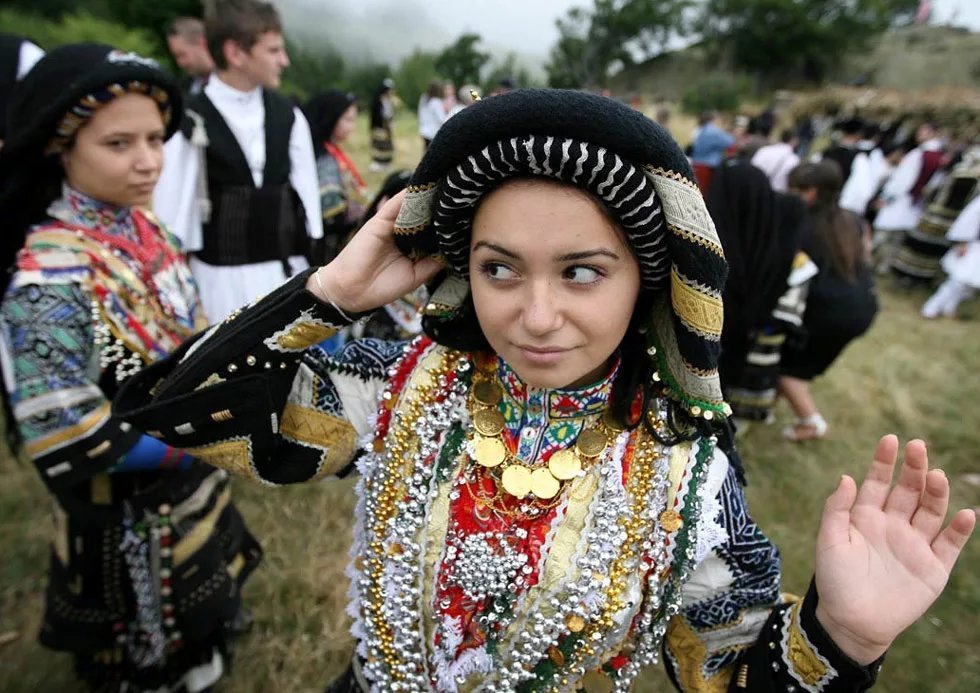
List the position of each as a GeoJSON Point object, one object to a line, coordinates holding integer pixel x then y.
{"type": "Point", "coordinates": [250, 224]}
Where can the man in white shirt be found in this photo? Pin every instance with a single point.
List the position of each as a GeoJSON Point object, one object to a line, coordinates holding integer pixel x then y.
{"type": "Point", "coordinates": [901, 198]}
{"type": "Point", "coordinates": [239, 188]}
{"type": "Point", "coordinates": [778, 159]}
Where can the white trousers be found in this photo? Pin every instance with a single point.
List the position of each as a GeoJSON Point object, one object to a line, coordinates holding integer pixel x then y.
{"type": "Point", "coordinates": [948, 296]}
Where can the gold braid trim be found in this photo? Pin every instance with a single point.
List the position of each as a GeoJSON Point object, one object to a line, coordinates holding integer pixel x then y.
{"type": "Point", "coordinates": [233, 455]}
{"type": "Point", "coordinates": [689, 653]}
{"type": "Point", "coordinates": [674, 175]}
{"type": "Point", "coordinates": [409, 230]}
{"type": "Point", "coordinates": [334, 436]}
{"type": "Point", "coordinates": [697, 309]}
{"type": "Point", "coordinates": [807, 664]}
{"type": "Point", "coordinates": [696, 239]}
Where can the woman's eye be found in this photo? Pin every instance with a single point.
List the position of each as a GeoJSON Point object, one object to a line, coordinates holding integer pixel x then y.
{"type": "Point", "coordinates": [583, 275]}
{"type": "Point", "coordinates": [498, 271]}
{"type": "Point", "coordinates": [116, 144]}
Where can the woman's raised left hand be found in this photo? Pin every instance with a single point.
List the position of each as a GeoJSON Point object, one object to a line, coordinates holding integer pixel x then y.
{"type": "Point", "coordinates": [883, 555]}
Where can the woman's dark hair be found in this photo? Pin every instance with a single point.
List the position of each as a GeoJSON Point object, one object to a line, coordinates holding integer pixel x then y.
{"type": "Point", "coordinates": [836, 235]}
{"type": "Point", "coordinates": [434, 90]}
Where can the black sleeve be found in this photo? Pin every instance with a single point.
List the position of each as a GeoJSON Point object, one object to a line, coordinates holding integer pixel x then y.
{"type": "Point", "coordinates": [254, 394]}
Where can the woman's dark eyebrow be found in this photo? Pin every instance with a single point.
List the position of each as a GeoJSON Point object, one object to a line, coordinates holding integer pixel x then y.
{"type": "Point", "coordinates": [496, 248]}
{"type": "Point", "coordinates": [585, 254]}
{"type": "Point", "coordinates": [567, 257]}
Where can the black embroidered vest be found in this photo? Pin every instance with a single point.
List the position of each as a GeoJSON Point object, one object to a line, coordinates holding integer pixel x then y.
{"type": "Point", "coordinates": [250, 224]}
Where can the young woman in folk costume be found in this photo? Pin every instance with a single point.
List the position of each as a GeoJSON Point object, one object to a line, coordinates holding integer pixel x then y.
{"type": "Point", "coordinates": [544, 496]}
{"type": "Point", "coordinates": [343, 193]}
{"type": "Point", "coordinates": [149, 553]}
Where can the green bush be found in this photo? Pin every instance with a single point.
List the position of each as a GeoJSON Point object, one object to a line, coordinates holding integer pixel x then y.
{"type": "Point", "coordinates": [714, 93]}
{"type": "Point", "coordinates": [82, 27]}
{"type": "Point", "coordinates": [413, 76]}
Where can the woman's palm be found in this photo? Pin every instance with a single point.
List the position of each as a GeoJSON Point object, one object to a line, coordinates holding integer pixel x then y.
{"type": "Point", "coordinates": [883, 556]}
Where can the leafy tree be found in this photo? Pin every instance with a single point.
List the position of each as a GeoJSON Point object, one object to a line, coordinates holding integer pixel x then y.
{"type": "Point", "coordinates": [507, 67]}
{"type": "Point", "coordinates": [779, 38]}
{"type": "Point", "coordinates": [81, 26]}
{"type": "Point", "coordinates": [613, 34]}
{"type": "Point", "coordinates": [365, 81]}
{"type": "Point", "coordinates": [413, 76]}
{"type": "Point", "coordinates": [573, 63]}
{"type": "Point", "coordinates": [713, 93]}
{"type": "Point", "coordinates": [153, 16]}
{"type": "Point", "coordinates": [312, 70]}
{"type": "Point", "coordinates": [53, 9]}
{"type": "Point", "coordinates": [461, 62]}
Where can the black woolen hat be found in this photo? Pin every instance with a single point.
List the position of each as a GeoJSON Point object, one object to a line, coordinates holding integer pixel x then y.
{"type": "Point", "coordinates": [623, 158]}
{"type": "Point", "coordinates": [66, 75]}
{"type": "Point", "coordinates": [323, 111]}
{"type": "Point", "coordinates": [66, 85]}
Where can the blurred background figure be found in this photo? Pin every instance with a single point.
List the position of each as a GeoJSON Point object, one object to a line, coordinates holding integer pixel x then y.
{"type": "Point", "coordinates": [431, 112]}
{"type": "Point", "coordinates": [841, 303]}
{"type": "Point", "coordinates": [845, 149]}
{"type": "Point", "coordinates": [900, 203]}
{"type": "Point", "coordinates": [239, 184]}
{"type": "Point", "coordinates": [189, 47]}
{"type": "Point", "coordinates": [708, 148]}
{"type": "Point", "coordinates": [918, 258]}
{"type": "Point", "coordinates": [959, 200]}
{"type": "Point", "coordinates": [765, 293]}
{"type": "Point", "coordinates": [464, 97]}
{"type": "Point", "coordinates": [504, 85]}
{"type": "Point", "coordinates": [777, 159]}
{"type": "Point", "coordinates": [343, 193]}
{"type": "Point", "coordinates": [382, 135]}
{"type": "Point", "coordinates": [17, 57]}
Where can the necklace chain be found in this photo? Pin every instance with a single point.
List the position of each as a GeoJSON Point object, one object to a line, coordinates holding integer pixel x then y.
{"type": "Point", "coordinates": [539, 487]}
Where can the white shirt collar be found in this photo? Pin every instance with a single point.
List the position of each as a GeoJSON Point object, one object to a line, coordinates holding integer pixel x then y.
{"type": "Point", "coordinates": [217, 90]}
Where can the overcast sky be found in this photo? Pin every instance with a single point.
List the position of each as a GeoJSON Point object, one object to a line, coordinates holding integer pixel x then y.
{"type": "Point", "coordinates": [389, 29]}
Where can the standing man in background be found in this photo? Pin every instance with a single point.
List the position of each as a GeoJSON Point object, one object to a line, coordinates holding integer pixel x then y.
{"type": "Point", "coordinates": [189, 47]}
{"type": "Point", "coordinates": [250, 215]}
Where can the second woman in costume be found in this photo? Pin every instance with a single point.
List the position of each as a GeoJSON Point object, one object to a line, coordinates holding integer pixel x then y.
{"type": "Point", "coordinates": [149, 553]}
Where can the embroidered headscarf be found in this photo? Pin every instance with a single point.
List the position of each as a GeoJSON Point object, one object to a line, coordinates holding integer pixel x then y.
{"type": "Point", "coordinates": [56, 98]}
{"type": "Point", "coordinates": [621, 157]}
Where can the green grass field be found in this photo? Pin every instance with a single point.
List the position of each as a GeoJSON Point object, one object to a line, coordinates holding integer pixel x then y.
{"type": "Point", "coordinates": [908, 376]}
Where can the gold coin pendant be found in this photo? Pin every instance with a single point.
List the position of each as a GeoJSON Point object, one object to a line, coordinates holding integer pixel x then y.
{"type": "Point", "coordinates": [565, 464]}
{"type": "Point", "coordinates": [489, 452]}
{"type": "Point", "coordinates": [591, 443]}
{"type": "Point", "coordinates": [488, 422]}
{"type": "Point", "coordinates": [516, 480]}
{"type": "Point", "coordinates": [486, 392]}
{"type": "Point", "coordinates": [543, 484]}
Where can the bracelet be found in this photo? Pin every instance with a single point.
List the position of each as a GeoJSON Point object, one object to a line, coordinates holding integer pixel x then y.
{"type": "Point", "coordinates": [324, 296]}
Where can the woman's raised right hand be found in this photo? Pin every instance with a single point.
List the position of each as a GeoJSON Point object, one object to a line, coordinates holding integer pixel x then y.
{"type": "Point", "coordinates": [371, 271]}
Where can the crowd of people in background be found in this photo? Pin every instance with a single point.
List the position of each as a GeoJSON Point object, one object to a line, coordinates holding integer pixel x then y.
{"type": "Point", "coordinates": [891, 200]}
{"type": "Point", "coordinates": [248, 189]}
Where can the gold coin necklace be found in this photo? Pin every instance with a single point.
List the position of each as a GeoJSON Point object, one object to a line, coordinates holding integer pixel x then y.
{"type": "Point", "coordinates": [517, 478]}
